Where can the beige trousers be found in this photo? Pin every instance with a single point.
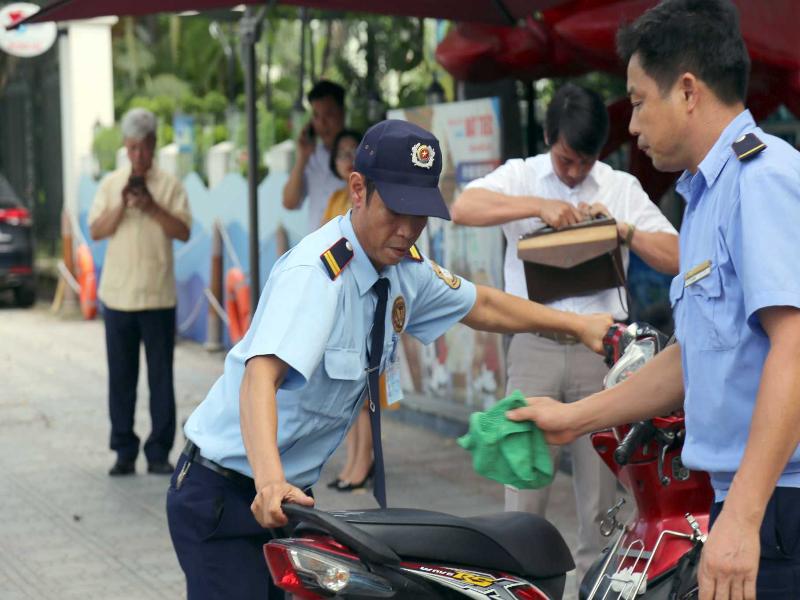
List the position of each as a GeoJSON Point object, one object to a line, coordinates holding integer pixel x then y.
{"type": "Point", "coordinates": [541, 367]}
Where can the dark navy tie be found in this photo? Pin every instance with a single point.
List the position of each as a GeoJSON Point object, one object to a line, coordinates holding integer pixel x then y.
{"type": "Point", "coordinates": [381, 288]}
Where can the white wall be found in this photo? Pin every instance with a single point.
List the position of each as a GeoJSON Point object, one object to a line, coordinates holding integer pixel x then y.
{"type": "Point", "coordinates": [87, 96]}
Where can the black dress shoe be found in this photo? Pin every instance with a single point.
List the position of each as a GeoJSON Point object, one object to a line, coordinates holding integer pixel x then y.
{"type": "Point", "coordinates": [346, 486]}
{"type": "Point", "coordinates": [122, 467]}
{"type": "Point", "coordinates": [160, 468]}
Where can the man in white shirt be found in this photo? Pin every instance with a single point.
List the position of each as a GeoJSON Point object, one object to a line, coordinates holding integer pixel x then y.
{"type": "Point", "coordinates": [311, 177]}
{"type": "Point", "coordinates": [564, 187]}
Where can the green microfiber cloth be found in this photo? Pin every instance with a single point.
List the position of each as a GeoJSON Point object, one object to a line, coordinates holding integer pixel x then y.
{"type": "Point", "coordinates": [514, 453]}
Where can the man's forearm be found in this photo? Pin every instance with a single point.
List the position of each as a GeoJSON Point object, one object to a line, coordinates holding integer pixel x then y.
{"type": "Point", "coordinates": [480, 207]}
{"type": "Point", "coordinates": [259, 421]}
{"type": "Point", "coordinates": [658, 249]}
{"type": "Point", "coordinates": [106, 224]}
{"type": "Point", "coordinates": [655, 390]}
{"type": "Point", "coordinates": [293, 189]}
{"type": "Point", "coordinates": [173, 227]}
{"type": "Point", "coordinates": [499, 312]}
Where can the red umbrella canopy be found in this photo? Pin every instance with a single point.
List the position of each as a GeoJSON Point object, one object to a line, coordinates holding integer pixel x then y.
{"type": "Point", "coordinates": [500, 12]}
{"type": "Point", "coordinates": [770, 35]}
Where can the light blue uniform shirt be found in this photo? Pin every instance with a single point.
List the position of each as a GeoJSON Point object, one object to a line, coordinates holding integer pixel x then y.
{"type": "Point", "coordinates": [744, 217]}
{"type": "Point", "coordinates": [320, 328]}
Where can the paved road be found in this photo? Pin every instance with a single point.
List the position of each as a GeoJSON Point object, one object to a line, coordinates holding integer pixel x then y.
{"type": "Point", "coordinates": [68, 531]}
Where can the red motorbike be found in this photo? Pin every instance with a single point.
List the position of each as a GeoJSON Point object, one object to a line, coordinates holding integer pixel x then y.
{"type": "Point", "coordinates": [655, 554]}
{"type": "Point", "coordinates": [409, 553]}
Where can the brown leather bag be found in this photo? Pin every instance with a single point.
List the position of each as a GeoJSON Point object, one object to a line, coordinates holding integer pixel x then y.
{"type": "Point", "coordinates": [573, 261]}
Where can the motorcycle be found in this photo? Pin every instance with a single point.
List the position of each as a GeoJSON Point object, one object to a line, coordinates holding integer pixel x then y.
{"type": "Point", "coordinates": [405, 553]}
{"type": "Point", "coordinates": [655, 554]}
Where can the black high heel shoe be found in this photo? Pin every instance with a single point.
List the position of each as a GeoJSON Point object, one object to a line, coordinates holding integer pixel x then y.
{"type": "Point", "coordinates": [334, 484]}
{"type": "Point", "coordinates": [346, 486]}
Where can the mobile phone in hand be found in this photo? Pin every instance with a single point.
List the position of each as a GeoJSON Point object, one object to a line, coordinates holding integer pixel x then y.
{"type": "Point", "coordinates": [310, 133]}
{"type": "Point", "coordinates": [136, 183]}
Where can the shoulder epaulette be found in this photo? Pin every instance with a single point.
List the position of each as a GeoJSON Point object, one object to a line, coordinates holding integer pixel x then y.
{"type": "Point", "coordinates": [337, 257]}
{"type": "Point", "coordinates": [747, 146]}
{"type": "Point", "coordinates": [414, 254]}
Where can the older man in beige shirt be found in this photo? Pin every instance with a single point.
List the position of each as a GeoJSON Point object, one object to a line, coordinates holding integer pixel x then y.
{"type": "Point", "coordinates": [140, 209]}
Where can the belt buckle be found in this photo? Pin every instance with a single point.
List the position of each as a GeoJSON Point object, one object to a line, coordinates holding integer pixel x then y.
{"type": "Point", "coordinates": [559, 338]}
{"type": "Point", "coordinates": [567, 339]}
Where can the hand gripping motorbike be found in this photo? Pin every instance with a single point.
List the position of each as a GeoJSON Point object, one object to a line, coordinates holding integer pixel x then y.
{"type": "Point", "coordinates": [655, 554]}
{"type": "Point", "coordinates": [408, 553]}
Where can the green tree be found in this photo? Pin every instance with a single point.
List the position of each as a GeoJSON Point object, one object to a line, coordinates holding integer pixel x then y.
{"type": "Point", "coordinates": [191, 65]}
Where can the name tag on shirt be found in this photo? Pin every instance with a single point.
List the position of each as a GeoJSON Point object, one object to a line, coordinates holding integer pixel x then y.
{"type": "Point", "coordinates": [697, 273]}
{"type": "Point", "coordinates": [394, 389]}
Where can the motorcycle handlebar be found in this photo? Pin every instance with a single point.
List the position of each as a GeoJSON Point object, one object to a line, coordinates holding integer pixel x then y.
{"type": "Point", "coordinates": [638, 435]}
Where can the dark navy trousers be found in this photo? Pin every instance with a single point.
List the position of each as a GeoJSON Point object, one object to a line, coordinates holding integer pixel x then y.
{"type": "Point", "coordinates": [217, 539]}
{"type": "Point", "coordinates": [779, 569]}
{"type": "Point", "coordinates": [125, 332]}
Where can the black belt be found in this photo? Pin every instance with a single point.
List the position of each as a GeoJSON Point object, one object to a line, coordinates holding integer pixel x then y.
{"type": "Point", "coordinates": [192, 454]}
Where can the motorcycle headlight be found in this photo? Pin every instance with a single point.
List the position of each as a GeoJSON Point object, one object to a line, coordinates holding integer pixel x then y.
{"type": "Point", "coordinates": [634, 358]}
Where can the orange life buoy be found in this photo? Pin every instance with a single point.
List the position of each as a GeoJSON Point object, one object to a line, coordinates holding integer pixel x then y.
{"type": "Point", "coordinates": [237, 304]}
{"type": "Point", "coordinates": [87, 280]}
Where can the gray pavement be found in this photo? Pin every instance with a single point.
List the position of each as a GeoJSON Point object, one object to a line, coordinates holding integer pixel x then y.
{"type": "Point", "coordinates": [67, 530]}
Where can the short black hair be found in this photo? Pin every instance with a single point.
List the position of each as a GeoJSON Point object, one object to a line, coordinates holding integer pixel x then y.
{"type": "Point", "coordinates": [696, 36]}
{"type": "Point", "coordinates": [371, 187]}
{"type": "Point", "coordinates": [344, 133]}
{"type": "Point", "coordinates": [579, 117]}
{"type": "Point", "coordinates": [327, 89]}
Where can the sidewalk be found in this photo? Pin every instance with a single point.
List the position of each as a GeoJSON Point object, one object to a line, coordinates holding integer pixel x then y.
{"type": "Point", "coordinates": [69, 531]}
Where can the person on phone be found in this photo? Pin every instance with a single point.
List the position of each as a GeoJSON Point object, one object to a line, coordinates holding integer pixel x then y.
{"type": "Point", "coordinates": [328, 322]}
{"type": "Point", "coordinates": [311, 179]}
{"type": "Point", "coordinates": [563, 187]}
{"type": "Point", "coordinates": [140, 210]}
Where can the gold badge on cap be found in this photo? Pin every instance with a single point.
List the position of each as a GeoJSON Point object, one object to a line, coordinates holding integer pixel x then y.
{"type": "Point", "coordinates": [399, 314]}
{"type": "Point", "coordinates": [422, 155]}
{"type": "Point", "coordinates": [451, 280]}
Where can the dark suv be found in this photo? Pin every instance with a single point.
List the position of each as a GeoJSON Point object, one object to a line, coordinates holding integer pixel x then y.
{"type": "Point", "coordinates": [16, 246]}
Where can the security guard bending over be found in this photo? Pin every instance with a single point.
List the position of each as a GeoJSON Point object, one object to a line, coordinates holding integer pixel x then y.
{"type": "Point", "coordinates": [293, 385]}
{"type": "Point", "coordinates": [736, 298]}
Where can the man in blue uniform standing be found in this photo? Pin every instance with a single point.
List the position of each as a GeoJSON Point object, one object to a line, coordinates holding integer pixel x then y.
{"type": "Point", "coordinates": [736, 298]}
{"type": "Point", "coordinates": [328, 321]}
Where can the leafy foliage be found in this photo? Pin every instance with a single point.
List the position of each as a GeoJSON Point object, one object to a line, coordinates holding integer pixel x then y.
{"type": "Point", "coordinates": [107, 141]}
{"type": "Point", "coordinates": [192, 65]}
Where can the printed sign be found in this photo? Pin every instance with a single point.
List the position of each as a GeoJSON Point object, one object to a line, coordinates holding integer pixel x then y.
{"type": "Point", "coordinates": [183, 128]}
{"type": "Point", "coordinates": [29, 40]}
{"type": "Point", "coordinates": [463, 366]}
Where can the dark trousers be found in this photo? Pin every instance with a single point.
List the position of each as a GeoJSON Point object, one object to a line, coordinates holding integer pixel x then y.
{"type": "Point", "coordinates": [220, 545]}
{"type": "Point", "coordinates": [779, 568]}
{"type": "Point", "coordinates": [125, 331]}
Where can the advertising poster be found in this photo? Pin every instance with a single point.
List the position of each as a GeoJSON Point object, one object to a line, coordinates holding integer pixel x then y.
{"type": "Point", "coordinates": [463, 366]}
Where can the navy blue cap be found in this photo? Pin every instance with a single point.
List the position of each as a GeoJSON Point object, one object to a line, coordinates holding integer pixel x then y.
{"type": "Point", "coordinates": [405, 162]}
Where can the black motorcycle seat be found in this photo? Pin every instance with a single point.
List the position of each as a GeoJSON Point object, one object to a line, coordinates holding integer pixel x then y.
{"type": "Point", "coordinates": [514, 542]}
